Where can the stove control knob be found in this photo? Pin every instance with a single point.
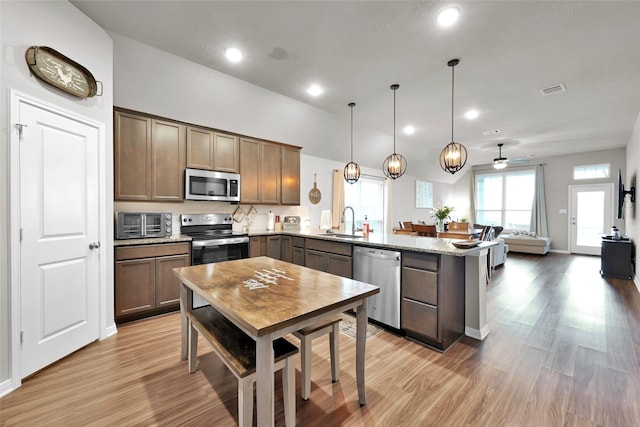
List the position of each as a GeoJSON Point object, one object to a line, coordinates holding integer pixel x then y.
{"type": "Point", "coordinates": [168, 230]}
{"type": "Point", "coordinates": [168, 216]}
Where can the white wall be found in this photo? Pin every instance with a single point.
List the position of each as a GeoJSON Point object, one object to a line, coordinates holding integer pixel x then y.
{"type": "Point", "coordinates": [632, 222]}
{"type": "Point", "coordinates": [61, 26]}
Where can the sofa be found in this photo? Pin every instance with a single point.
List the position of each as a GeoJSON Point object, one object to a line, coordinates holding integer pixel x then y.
{"type": "Point", "coordinates": [527, 243]}
{"type": "Point", "coordinates": [499, 253]}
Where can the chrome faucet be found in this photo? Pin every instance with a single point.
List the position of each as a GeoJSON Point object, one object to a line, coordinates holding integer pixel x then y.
{"type": "Point", "coordinates": [353, 219]}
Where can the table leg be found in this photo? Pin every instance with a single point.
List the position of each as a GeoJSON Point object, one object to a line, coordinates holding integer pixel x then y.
{"type": "Point", "coordinates": [361, 340]}
{"type": "Point", "coordinates": [264, 380]}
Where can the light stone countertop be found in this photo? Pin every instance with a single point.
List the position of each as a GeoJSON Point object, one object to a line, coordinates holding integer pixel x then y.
{"type": "Point", "coordinates": [375, 240]}
{"type": "Point", "coordinates": [388, 241]}
{"type": "Point", "coordinates": [152, 240]}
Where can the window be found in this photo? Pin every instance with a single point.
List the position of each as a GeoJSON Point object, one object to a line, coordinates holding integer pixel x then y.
{"type": "Point", "coordinates": [366, 197]}
{"type": "Point", "coordinates": [591, 172]}
{"type": "Point", "coordinates": [505, 199]}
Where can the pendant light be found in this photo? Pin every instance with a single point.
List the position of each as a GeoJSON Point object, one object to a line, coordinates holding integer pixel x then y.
{"type": "Point", "coordinates": [352, 170]}
{"type": "Point", "coordinates": [395, 165]}
{"type": "Point", "coordinates": [453, 156]}
{"type": "Point", "coordinates": [500, 162]}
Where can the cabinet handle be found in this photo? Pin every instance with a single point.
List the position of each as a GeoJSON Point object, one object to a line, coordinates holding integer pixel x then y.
{"type": "Point", "coordinates": [94, 245]}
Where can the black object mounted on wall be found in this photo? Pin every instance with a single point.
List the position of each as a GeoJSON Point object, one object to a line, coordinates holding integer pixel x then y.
{"type": "Point", "coordinates": [622, 193]}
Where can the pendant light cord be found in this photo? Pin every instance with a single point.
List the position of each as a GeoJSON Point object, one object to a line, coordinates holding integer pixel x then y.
{"type": "Point", "coordinates": [352, 105]}
{"type": "Point", "coordinates": [394, 121]}
{"type": "Point", "coordinates": [452, 86]}
{"type": "Point", "coordinates": [394, 88]}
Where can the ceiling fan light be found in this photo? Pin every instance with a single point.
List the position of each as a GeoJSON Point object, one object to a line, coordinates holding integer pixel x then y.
{"type": "Point", "coordinates": [500, 163]}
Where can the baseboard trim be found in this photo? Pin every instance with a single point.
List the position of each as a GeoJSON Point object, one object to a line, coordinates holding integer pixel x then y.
{"type": "Point", "coordinates": [635, 281]}
{"type": "Point", "coordinates": [559, 251]}
{"type": "Point", "coordinates": [111, 330]}
{"type": "Point", "coordinates": [6, 387]}
{"type": "Point", "coordinates": [477, 334]}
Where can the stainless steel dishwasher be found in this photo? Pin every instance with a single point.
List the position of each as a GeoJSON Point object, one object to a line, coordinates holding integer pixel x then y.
{"type": "Point", "coordinates": [381, 268]}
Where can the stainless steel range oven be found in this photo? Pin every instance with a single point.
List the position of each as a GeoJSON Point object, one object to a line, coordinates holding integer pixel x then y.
{"type": "Point", "coordinates": [213, 240]}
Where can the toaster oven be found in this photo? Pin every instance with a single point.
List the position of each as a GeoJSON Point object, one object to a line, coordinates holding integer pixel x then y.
{"type": "Point", "coordinates": [139, 225]}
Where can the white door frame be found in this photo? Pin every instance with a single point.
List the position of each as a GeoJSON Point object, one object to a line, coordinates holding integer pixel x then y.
{"type": "Point", "coordinates": [609, 185]}
{"type": "Point", "coordinates": [15, 98]}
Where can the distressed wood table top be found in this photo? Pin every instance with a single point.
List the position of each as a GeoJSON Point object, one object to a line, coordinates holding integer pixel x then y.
{"type": "Point", "coordinates": [262, 295]}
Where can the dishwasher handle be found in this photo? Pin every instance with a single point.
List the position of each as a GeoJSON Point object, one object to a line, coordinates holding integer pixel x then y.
{"type": "Point", "coordinates": [377, 254]}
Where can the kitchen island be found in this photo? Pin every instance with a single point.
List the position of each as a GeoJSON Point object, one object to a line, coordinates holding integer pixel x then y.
{"type": "Point", "coordinates": [472, 260]}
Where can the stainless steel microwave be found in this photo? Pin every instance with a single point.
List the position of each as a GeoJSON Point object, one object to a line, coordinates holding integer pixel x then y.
{"type": "Point", "coordinates": [139, 225]}
{"type": "Point", "coordinates": [211, 185]}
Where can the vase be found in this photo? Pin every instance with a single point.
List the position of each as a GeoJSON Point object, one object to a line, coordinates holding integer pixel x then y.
{"type": "Point", "coordinates": [439, 225]}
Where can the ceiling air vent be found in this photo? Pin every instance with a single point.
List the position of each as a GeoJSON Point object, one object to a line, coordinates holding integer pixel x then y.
{"type": "Point", "coordinates": [553, 89]}
{"type": "Point", "coordinates": [491, 132]}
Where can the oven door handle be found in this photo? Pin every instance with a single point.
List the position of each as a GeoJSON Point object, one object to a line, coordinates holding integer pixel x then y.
{"type": "Point", "coordinates": [219, 242]}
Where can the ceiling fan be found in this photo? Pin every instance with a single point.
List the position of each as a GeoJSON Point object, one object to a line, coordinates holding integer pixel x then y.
{"type": "Point", "coordinates": [501, 162]}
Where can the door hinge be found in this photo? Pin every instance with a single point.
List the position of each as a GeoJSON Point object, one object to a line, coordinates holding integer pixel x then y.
{"type": "Point", "coordinates": [21, 337]}
{"type": "Point", "coordinates": [21, 234]}
{"type": "Point", "coordinates": [20, 126]}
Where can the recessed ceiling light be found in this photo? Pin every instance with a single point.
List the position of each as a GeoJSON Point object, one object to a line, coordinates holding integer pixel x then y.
{"type": "Point", "coordinates": [409, 130]}
{"type": "Point", "coordinates": [448, 17]}
{"type": "Point", "coordinates": [315, 90]}
{"type": "Point", "coordinates": [471, 114]}
{"type": "Point", "coordinates": [233, 54]}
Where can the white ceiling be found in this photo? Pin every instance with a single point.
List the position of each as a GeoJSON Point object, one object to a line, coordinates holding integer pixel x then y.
{"type": "Point", "coordinates": [508, 51]}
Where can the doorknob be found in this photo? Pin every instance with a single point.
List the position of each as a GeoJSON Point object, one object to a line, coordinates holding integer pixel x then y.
{"type": "Point", "coordinates": [94, 245]}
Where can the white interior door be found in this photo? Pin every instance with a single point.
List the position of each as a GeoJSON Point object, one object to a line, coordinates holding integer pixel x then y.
{"type": "Point", "coordinates": [591, 214]}
{"type": "Point", "coordinates": [59, 222]}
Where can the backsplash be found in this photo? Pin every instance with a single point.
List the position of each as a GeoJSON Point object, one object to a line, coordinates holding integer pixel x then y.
{"type": "Point", "coordinates": [192, 207]}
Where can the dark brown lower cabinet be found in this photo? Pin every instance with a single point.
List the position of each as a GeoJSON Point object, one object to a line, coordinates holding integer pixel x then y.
{"type": "Point", "coordinates": [330, 257]}
{"type": "Point", "coordinates": [265, 246]}
{"type": "Point", "coordinates": [144, 281]}
{"type": "Point", "coordinates": [286, 248]}
{"type": "Point", "coordinates": [297, 252]}
{"type": "Point", "coordinates": [432, 307]}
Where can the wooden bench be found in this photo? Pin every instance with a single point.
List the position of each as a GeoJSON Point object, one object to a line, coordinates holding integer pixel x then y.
{"type": "Point", "coordinates": [308, 334]}
{"type": "Point", "coordinates": [238, 352]}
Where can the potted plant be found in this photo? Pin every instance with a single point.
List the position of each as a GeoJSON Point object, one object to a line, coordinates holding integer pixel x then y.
{"type": "Point", "coordinates": [441, 213]}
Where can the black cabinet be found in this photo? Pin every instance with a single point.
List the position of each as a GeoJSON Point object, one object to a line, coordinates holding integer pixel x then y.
{"type": "Point", "coordinates": [617, 259]}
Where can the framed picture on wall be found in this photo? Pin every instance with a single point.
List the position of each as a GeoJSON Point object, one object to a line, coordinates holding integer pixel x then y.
{"type": "Point", "coordinates": [424, 194]}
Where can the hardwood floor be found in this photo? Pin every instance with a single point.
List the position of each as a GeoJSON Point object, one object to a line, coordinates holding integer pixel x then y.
{"type": "Point", "coordinates": [564, 350]}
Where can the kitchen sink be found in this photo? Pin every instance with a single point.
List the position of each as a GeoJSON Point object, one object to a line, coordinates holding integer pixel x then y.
{"type": "Point", "coordinates": [345, 235]}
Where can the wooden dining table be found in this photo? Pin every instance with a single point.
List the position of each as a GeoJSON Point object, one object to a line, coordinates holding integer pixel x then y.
{"type": "Point", "coordinates": [268, 299]}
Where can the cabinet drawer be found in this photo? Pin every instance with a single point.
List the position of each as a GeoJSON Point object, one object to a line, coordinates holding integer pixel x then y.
{"type": "Point", "coordinates": [298, 242]}
{"type": "Point", "coordinates": [420, 318]}
{"type": "Point", "coordinates": [422, 261]}
{"type": "Point", "coordinates": [325, 246]}
{"type": "Point", "coordinates": [420, 285]}
{"type": "Point", "coordinates": [150, 251]}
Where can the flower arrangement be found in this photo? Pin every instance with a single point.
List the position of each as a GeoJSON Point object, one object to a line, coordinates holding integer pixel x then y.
{"type": "Point", "coordinates": [442, 212]}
